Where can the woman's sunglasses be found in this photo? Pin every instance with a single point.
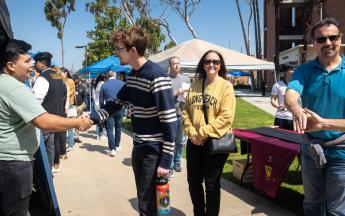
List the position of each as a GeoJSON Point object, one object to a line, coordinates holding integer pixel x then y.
{"type": "Point", "coordinates": [321, 40]}
{"type": "Point", "coordinates": [215, 62]}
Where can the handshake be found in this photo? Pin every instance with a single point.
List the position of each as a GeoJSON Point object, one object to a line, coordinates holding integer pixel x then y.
{"type": "Point", "coordinates": [84, 122]}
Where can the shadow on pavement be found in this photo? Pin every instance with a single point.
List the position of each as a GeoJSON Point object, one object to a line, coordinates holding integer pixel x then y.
{"type": "Point", "coordinates": [91, 136]}
{"type": "Point", "coordinates": [93, 148]}
{"type": "Point", "coordinates": [173, 211]}
{"type": "Point", "coordinates": [127, 161]}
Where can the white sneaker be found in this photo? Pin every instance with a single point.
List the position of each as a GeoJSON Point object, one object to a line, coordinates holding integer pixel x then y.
{"type": "Point", "coordinates": [54, 170]}
{"type": "Point", "coordinates": [110, 152]}
{"type": "Point", "coordinates": [103, 137]}
{"type": "Point", "coordinates": [68, 149]}
{"type": "Point", "coordinates": [118, 148]}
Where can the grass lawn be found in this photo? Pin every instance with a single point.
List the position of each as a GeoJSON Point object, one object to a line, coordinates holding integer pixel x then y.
{"type": "Point", "coordinates": [249, 116]}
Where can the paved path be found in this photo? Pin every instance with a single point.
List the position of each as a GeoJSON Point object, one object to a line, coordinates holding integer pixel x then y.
{"type": "Point", "coordinates": [92, 183]}
{"type": "Point", "coordinates": [257, 100]}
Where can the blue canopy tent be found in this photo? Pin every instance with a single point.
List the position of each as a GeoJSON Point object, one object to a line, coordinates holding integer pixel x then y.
{"type": "Point", "coordinates": [238, 73]}
{"type": "Point", "coordinates": [111, 63]}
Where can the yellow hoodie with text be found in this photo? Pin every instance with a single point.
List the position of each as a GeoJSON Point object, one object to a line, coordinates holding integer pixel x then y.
{"type": "Point", "coordinates": [220, 103]}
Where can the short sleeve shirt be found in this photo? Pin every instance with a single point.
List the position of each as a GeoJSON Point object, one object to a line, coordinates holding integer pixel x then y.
{"type": "Point", "coordinates": [279, 89]}
{"type": "Point", "coordinates": [323, 92]}
{"type": "Point", "coordinates": [18, 107]}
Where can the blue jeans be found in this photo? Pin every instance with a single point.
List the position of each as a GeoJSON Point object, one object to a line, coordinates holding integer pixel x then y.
{"type": "Point", "coordinates": [70, 137]}
{"type": "Point", "coordinates": [324, 189]}
{"type": "Point", "coordinates": [48, 138]}
{"type": "Point", "coordinates": [178, 144]}
{"type": "Point", "coordinates": [114, 120]}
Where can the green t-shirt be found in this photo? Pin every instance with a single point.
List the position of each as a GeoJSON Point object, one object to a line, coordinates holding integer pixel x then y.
{"type": "Point", "coordinates": [18, 106]}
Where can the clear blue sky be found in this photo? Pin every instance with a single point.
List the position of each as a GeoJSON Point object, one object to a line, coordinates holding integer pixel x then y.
{"type": "Point", "coordinates": [215, 21]}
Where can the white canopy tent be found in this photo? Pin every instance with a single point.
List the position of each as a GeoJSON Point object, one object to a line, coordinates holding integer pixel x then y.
{"type": "Point", "coordinates": [191, 51]}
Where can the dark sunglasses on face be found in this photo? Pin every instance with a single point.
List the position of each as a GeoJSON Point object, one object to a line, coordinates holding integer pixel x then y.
{"type": "Point", "coordinates": [321, 40]}
{"type": "Point", "coordinates": [215, 62]}
{"type": "Point", "coordinates": [118, 49]}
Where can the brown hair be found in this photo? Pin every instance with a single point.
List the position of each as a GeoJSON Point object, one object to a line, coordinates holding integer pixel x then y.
{"type": "Point", "coordinates": [325, 22]}
{"type": "Point", "coordinates": [200, 71]}
{"type": "Point", "coordinates": [132, 37]}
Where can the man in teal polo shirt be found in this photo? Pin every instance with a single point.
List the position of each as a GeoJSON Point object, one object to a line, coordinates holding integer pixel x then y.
{"type": "Point", "coordinates": [320, 85]}
{"type": "Point", "coordinates": [20, 114]}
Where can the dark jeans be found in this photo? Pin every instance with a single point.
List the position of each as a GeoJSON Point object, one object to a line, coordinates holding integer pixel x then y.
{"type": "Point", "coordinates": [15, 187]}
{"type": "Point", "coordinates": [115, 120]}
{"type": "Point", "coordinates": [284, 123]}
{"type": "Point", "coordinates": [201, 166]}
{"type": "Point", "coordinates": [60, 139]}
{"type": "Point", "coordinates": [144, 164]}
{"type": "Point", "coordinates": [48, 138]}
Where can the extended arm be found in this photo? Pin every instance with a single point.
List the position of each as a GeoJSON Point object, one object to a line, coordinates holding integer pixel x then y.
{"type": "Point", "coordinates": [300, 116]}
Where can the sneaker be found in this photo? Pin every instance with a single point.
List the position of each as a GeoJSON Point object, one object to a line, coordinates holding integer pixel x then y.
{"type": "Point", "coordinates": [118, 148]}
{"type": "Point", "coordinates": [56, 170]}
{"type": "Point", "coordinates": [110, 152]}
{"type": "Point", "coordinates": [64, 157]}
{"type": "Point", "coordinates": [69, 148]}
{"type": "Point", "coordinates": [103, 137]}
{"type": "Point", "coordinates": [77, 140]}
{"type": "Point", "coordinates": [178, 168]}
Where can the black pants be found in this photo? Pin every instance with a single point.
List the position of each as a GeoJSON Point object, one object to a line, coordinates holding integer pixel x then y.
{"type": "Point", "coordinates": [203, 166]}
{"type": "Point", "coordinates": [144, 164]}
{"type": "Point", "coordinates": [15, 187]}
{"type": "Point", "coordinates": [60, 139]}
{"type": "Point", "coordinates": [284, 123]}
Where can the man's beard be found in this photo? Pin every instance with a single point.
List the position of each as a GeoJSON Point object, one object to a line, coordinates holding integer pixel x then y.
{"type": "Point", "coordinates": [329, 52]}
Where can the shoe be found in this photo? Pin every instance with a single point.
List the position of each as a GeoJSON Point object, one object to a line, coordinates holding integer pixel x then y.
{"type": "Point", "coordinates": [118, 148]}
{"type": "Point", "coordinates": [64, 157]}
{"type": "Point", "coordinates": [103, 137]}
{"type": "Point", "coordinates": [110, 152]}
{"type": "Point", "coordinates": [69, 148]}
{"type": "Point", "coordinates": [56, 170]}
{"type": "Point", "coordinates": [77, 140]}
{"type": "Point", "coordinates": [178, 168]}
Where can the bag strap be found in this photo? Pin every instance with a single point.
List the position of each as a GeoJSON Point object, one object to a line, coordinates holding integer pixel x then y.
{"type": "Point", "coordinates": [204, 101]}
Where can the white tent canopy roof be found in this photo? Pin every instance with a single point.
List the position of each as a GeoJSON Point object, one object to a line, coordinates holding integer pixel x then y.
{"type": "Point", "coordinates": [191, 51]}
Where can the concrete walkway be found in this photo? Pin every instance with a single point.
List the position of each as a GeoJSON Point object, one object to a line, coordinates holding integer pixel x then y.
{"type": "Point", "coordinates": [92, 183]}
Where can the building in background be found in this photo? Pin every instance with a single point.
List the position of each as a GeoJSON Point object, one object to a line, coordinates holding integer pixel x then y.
{"type": "Point", "coordinates": [291, 26]}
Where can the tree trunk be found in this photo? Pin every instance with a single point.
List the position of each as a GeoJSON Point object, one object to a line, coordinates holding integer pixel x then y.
{"type": "Point", "coordinates": [308, 14]}
{"type": "Point", "coordinates": [277, 46]}
{"type": "Point", "coordinates": [186, 20]}
{"type": "Point", "coordinates": [258, 29]}
{"type": "Point", "coordinates": [62, 52]}
{"type": "Point", "coordinates": [243, 28]}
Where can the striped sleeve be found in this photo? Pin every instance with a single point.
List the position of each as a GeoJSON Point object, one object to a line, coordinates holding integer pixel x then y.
{"type": "Point", "coordinates": [110, 107]}
{"type": "Point", "coordinates": [163, 97]}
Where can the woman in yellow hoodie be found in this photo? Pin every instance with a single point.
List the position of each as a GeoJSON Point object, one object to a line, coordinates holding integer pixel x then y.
{"type": "Point", "coordinates": [220, 105]}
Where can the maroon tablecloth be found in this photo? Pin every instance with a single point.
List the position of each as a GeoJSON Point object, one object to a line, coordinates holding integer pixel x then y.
{"type": "Point", "coordinates": [271, 159]}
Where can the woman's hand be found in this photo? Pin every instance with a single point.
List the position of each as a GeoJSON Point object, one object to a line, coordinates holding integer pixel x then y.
{"type": "Point", "coordinates": [196, 140]}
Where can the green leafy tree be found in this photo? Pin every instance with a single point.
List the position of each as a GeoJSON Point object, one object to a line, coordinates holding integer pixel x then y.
{"type": "Point", "coordinates": [108, 18]}
{"type": "Point", "coordinates": [56, 12]}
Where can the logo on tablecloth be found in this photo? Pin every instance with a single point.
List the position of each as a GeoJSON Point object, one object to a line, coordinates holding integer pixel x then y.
{"type": "Point", "coordinates": [268, 168]}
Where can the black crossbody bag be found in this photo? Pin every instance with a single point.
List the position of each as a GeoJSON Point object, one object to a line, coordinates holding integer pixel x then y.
{"type": "Point", "coordinates": [225, 144]}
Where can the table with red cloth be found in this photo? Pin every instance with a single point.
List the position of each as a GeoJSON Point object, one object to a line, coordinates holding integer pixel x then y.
{"type": "Point", "coordinates": [271, 156]}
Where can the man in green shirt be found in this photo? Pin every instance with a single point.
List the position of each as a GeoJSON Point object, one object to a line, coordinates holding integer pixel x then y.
{"type": "Point", "coordinates": [20, 114]}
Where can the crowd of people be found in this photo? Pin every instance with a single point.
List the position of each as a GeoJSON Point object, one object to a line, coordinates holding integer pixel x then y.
{"type": "Point", "coordinates": [308, 100]}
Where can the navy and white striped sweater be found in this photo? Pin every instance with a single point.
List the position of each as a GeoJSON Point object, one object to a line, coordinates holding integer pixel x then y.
{"type": "Point", "coordinates": [148, 93]}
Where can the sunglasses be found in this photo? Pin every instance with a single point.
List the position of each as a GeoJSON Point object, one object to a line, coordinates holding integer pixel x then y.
{"type": "Point", "coordinates": [321, 40]}
{"type": "Point", "coordinates": [214, 62]}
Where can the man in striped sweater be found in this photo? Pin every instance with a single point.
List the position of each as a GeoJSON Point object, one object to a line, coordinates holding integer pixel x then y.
{"type": "Point", "coordinates": [148, 93]}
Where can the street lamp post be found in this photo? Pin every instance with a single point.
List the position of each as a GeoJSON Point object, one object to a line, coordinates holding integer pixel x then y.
{"type": "Point", "coordinates": [80, 47]}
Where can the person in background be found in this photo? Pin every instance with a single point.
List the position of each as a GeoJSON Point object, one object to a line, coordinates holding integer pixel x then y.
{"type": "Point", "coordinates": [263, 87]}
{"type": "Point", "coordinates": [108, 92]}
{"type": "Point", "coordinates": [148, 91]}
{"type": "Point", "coordinates": [178, 80]}
{"type": "Point", "coordinates": [221, 104]}
{"type": "Point", "coordinates": [283, 118]}
{"type": "Point", "coordinates": [81, 100]}
{"type": "Point", "coordinates": [51, 92]}
{"type": "Point", "coordinates": [320, 85]}
{"type": "Point", "coordinates": [20, 113]}
{"type": "Point", "coordinates": [71, 110]}
{"type": "Point", "coordinates": [101, 78]}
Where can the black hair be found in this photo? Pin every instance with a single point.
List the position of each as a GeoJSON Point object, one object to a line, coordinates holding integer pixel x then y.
{"type": "Point", "coordinates": [44, 57]}
{"type": "Point", "coordinates": [12, 50]}
{"type": "Point", "coordinates": [200, 71]}
{"type": "Point", "coordinates": [100, 77]}
{"type": "Point", "coordinates": [324, 22]}
{"type": "Point", "coordinates": [65, 70]}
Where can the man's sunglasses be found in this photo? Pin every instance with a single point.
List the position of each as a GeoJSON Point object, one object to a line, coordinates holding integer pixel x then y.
{"type": "Point", "coordinates": [321, 40]}
{"type": "Point", "coordinates": [215, 62]}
